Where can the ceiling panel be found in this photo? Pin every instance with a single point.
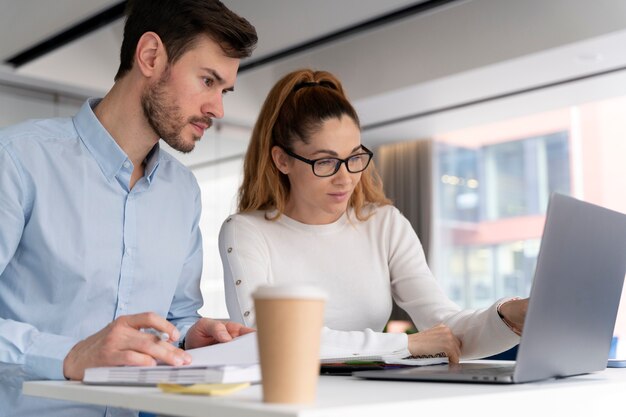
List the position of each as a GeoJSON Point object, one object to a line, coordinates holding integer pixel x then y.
{"type": "Point", "coordinates": [25, 23]}
{"type": "Point", "coordinates": [91, 62]}
{"type": "Point", "coordinates": [282, 24]}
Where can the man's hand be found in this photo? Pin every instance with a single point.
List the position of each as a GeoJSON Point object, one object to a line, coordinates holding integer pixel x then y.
{"type": "Point", "coordinates": [438, 339]}
{"type": "Point", "coordinates": [208, 332]}
{"type": "Point", "coordinates": [121, 343]}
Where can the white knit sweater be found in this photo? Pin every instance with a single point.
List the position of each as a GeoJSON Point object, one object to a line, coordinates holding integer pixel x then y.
{"type": "Point", "coordinates": [361, 265]}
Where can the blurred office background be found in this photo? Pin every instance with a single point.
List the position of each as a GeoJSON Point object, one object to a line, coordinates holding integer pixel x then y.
{"type": "Point", "coordinates": [477, 111]}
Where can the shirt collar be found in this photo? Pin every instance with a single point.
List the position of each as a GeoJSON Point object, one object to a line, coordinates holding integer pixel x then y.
{"type": "Point", "coordinates": [107, 153]}
{"type": "Point", "coordinates": [152, 162]}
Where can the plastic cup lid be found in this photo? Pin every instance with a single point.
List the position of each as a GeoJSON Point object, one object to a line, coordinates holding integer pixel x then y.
{"type": "Point", "coordinates": [307, 292]}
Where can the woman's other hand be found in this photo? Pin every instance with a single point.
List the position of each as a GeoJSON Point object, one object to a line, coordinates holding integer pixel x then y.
{"type": "Point", "coordinates": [438, 339]}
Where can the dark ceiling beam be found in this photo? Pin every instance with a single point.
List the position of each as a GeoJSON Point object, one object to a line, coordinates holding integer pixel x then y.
{"type": "Point", "coordinates": [63, 38]}
{"type": "Point", "coordinates": [403, 13]}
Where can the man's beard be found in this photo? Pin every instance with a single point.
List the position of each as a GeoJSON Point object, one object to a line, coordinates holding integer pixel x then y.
{"type": "Point", "coordinates": [163, 115]}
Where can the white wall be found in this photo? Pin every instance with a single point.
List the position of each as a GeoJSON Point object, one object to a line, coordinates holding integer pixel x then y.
{"type": "Point", "coordinates": [17, 104]}
{"type": "Point", "coordinates": [219, 185]}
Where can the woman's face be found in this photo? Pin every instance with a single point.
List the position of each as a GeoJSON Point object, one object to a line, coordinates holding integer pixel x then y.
{"type": "Point", "coordinates": [321, 200]}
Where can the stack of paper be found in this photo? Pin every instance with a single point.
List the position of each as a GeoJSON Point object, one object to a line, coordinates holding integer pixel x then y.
{"type": "Point", "coordinates": [234, 361]}
{"type": "Point", "coordinates": [152, 375]}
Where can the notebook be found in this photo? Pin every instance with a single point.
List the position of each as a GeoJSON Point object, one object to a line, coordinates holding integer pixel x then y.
{"type": "Point", "coordinates": [331, 356]}
{"type": "Point", "coordinates": [347, 365]}
{"type": "Point", "coordinates": [153, 375]}
{"type": "Point", "coordinates": [230, 362]}
{"type": "Point", "coordinates": [573, 302]}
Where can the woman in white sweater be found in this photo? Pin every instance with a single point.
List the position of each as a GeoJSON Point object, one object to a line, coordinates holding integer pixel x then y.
{"type": "Point", "coordinates": [312, 210]}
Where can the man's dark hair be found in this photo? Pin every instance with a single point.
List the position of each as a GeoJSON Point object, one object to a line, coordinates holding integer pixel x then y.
{"type": "Point", "coordinates": [179, 23]}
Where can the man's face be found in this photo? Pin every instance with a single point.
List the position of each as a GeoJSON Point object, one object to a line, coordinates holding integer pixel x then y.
{"type": "Point", "coordinates": [181, 104]}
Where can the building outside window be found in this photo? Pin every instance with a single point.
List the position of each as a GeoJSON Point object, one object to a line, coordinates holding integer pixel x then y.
{"type": "Point", "coordinates": [492, 185]}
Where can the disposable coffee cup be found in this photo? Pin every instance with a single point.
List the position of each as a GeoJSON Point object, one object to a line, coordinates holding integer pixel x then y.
{"type": "Point", "coordinates": [289, 322]}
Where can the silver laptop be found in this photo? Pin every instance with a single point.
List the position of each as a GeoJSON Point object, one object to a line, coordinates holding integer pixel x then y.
{"type": "Point", "coordinates": [573, 302]}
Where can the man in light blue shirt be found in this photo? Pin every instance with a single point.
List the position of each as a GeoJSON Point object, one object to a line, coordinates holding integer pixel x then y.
{"type": "Point", "coordinates": [99, 233]}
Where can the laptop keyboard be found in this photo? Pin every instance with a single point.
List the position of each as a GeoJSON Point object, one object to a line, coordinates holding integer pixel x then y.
{"type": "Point", "coordinates": [481, 369]}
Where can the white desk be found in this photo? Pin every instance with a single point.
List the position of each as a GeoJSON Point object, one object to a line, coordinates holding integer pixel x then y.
{"type": "Point", "coordinates": [599, 394]}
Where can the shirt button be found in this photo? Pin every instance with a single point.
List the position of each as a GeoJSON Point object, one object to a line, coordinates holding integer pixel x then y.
{"type": "Point", "coordinates": [246, 314]}
{"type": "Point", "coordinates": [229, 250]}
{"type": "Point", "coordinates": [126, 164]}
{"type": "Point", "coordinates": [238, 282]}
{"type": "Point", "coordinates": [129, 251]}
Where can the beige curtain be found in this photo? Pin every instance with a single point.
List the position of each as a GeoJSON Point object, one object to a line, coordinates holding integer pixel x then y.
{"type": "Point", "coordinates": [406, 170]}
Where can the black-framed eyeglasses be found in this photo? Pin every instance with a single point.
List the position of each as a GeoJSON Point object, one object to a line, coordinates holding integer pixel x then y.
{"type": "Point", "coordinates": [326, 167]}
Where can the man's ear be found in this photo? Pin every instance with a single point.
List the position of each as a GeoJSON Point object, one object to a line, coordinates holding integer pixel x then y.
{"type": "Point", "coordinates": [150, 55]}
{"type": "Point", "coordinates": [281, 159]}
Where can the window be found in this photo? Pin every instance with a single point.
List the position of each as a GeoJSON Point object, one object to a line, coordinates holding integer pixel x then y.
{"type": "Point", "coordinates": [458, 173]}
{"type": "Point", "coordinates": [219, 184]}
{"type": "Point", "coordinates": [492, 185]}
{"type": "Point", "coordinates": [517, 177]}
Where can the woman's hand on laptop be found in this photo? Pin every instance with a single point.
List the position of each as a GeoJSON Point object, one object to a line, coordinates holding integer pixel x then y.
{"type": "Point", "coordinates": [436, 340]}
{"type": "Point", "coordinates": [513, 312]}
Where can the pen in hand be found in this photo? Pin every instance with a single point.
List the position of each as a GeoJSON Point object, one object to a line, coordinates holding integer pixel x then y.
{"type": "Point", "coordinates": [161, 335]}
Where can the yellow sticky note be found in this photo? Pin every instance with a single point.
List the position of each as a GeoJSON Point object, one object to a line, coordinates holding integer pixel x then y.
{"type": "Point", "coordinates": [203, 389]}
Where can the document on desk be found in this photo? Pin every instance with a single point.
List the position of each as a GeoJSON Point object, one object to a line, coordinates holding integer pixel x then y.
{"type": "Point", "coordinates": [230, 362]}
{"type": "Point", "coordinates": [344, 363]}
{"type": "Point", "coordinates": [388, 360]}
{"type": "Point", "coordinates": [330, 355]}
{"type": "Point", "coordinates": [241, 350]}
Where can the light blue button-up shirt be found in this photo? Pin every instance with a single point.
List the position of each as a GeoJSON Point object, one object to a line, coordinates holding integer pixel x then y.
{"type": "Point", "coordinates": [79, 248]}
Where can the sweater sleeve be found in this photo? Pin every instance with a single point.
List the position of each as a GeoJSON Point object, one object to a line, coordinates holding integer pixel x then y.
{"type": "Point", "coordinates": [246, 261]}
{"type": "Point", "coordinates": [482, 332]}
